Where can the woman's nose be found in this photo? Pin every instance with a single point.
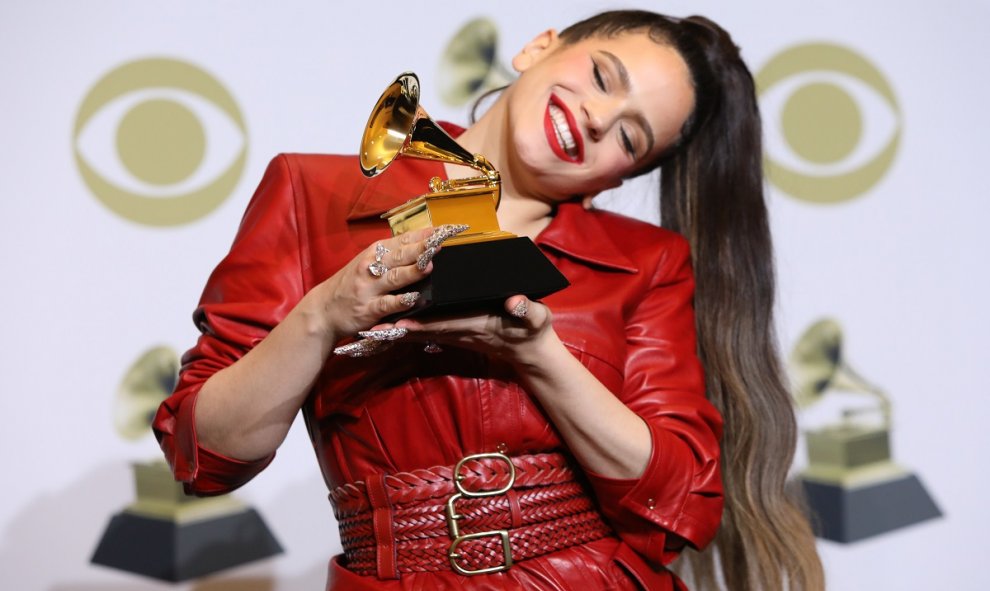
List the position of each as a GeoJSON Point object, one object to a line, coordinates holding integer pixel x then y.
{"type": "Point", "coordinates": [598, 116]}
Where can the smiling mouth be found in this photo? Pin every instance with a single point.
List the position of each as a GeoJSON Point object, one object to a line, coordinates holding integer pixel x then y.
{"type": "Point", "coordinates": [559, 126]}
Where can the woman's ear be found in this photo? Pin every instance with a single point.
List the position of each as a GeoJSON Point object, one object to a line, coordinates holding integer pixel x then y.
{"type": "Point", "coordinates": [533, 51]}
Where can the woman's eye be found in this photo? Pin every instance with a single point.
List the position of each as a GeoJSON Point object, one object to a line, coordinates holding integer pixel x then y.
{"type": "Point", "coordinates": [599, 81]}
{"type": "Point", "coordinates": [627, 143]}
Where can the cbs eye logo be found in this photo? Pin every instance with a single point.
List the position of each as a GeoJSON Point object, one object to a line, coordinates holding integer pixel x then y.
{"type": "Point", "coordinates": [832, 122]}
{"type": "Point", "coordinates": [160, 142]}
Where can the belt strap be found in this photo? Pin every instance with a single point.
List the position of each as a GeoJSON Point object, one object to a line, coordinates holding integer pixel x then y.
{"type": "Point", "coordinates": [478, 516]}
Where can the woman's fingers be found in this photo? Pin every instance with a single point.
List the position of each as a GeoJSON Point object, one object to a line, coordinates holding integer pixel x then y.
{"type": "Point", "coordinates": [400, 261]}
{"type": "Point", "coordinates": [389, 304]}
{"type": "Point", "coordinates": [411, 246]}
{"type": "Point", "coordinates": [385, 256]}
{"type": "Point", "coordinates": [522, 316]}
{"type": "Point", "coordinates": [376, 284]}
{"type": "Point", "coordinates": [406, 258]}
{"type": "Point", "coordinates": [406, 247]}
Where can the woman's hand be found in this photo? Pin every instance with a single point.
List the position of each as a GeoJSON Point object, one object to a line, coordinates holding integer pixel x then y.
{"type": "Point", "coordinates": [603, 433]}
{"type": "Point", "coordinates": [359, 295]}
{"type": "Point", "coordinates": [516, 335]}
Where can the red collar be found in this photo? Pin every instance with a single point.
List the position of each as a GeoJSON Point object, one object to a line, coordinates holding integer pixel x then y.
{"type": "Point", "coordinates": [580, 234]}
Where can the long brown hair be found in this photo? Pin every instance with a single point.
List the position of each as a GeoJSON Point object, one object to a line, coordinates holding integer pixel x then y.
{"type": "Point", "coordinates": [711, 191]}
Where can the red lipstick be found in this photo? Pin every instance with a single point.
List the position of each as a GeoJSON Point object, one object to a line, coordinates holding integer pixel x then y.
{"type": "Point", "coordinates": [551, 132]}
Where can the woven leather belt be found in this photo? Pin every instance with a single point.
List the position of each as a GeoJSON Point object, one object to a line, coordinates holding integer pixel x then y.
{"type": "Point", "coordinates": [476, 517]}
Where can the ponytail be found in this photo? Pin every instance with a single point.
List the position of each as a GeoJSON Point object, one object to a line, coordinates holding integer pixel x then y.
{"type": "Point", "coordinates": [711, 191]}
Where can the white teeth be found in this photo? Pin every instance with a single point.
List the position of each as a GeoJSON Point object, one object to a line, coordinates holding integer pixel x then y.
{"type": "Point", "coordinates": [564, 136]}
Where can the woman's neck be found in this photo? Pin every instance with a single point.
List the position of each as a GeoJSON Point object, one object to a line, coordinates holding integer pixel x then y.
{"type": "Point", "coordinates": [521, 214]}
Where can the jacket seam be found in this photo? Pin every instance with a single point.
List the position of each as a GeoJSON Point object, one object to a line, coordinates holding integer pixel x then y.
{"type": "Point", "coordinates": [300, 228]}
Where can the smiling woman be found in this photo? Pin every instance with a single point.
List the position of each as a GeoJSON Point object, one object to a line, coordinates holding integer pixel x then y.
{"type": "Point", "coordinates": [587, 114]}
{"type": "Point", "coordinates": [571, 443]}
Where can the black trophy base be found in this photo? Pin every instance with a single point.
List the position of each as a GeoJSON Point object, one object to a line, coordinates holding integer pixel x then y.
{"type": "Point", "coordinates": [848, 515]}
{"type": "Point", "coordinates": [483, 274]}
{"type": "Point", "coordinates": [169, 551]}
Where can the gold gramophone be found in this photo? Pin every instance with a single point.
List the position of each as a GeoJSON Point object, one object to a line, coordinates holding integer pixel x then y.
{"type": "Point", "coordinates": [481, 265]}
{"type": "Point", "coordinates": [852, 483]}
{"type": "Point", "coordinates": [165, 533]}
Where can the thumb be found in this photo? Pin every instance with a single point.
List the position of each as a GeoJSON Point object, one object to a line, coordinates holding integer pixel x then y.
{"type": "Point", "coordinates": [533, 314]}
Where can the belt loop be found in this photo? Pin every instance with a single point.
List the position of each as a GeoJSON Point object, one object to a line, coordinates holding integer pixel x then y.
{"type": "Point", "coordinates": [385, 558]}
{"type": "Point", "coordinates": [515, 511]}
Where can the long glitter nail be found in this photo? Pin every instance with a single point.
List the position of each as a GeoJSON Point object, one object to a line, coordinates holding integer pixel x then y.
{"type": "Point", "coordinates": [409, 298]}
{"type": "Point", "coordinates": [424, 259]}
{"type": "Point", "coordinates": [385, 334]}
{"type": "Point", "coordinates": [443, 233]}
{"type": "Point", "coordinates": [362, 348]}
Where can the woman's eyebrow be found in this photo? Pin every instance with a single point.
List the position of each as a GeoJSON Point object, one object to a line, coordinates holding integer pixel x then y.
{"type": "Point", "coordinates": [620, 69]}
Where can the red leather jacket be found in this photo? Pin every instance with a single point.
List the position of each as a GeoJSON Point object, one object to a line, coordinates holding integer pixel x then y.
{"type": "Point", "coordinates": [627, 316]}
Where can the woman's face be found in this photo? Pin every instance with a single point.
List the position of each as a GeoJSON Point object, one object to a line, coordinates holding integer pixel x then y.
{"type": "Point", "coordinates": [583, 116]}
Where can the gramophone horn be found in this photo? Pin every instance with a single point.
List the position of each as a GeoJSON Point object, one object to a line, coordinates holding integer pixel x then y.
{"type": "Point", "coordinates": [399, 125]}
{"type": "Point", "coordinates": [469, 65]}
{"type": "Point", "coordinates": [147, 382]}
{"type": "Point", "coordinates": [814, 360]}
{"type": "Point", "coordinates": [817, 365]}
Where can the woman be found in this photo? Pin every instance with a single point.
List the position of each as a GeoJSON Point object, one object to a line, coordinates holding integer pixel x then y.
{"type": "Point", "coordinates": [602, 451]}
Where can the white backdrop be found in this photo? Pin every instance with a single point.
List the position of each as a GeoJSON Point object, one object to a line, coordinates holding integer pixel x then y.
{"type": "Point", "coordinates": [85, 291]}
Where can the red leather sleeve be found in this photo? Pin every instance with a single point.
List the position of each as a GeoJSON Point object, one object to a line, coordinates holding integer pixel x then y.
{"type": "Point", "coordinates": [250, 291]}
{"type": "Point", "coordinates": [680, 491]}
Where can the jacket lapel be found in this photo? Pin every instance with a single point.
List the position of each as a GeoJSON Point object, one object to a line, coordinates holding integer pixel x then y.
{"type": "Point", "coordinates": [579, 234]}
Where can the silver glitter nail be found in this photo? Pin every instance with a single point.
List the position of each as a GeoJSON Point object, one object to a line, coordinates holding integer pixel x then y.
{"type": "Point", "coordinates": [350, 349]}
{"type": "Point", "coordinates": [375, 350]}
{"type": "Point", "coordinates": [443, 233]}
{"type": "Point", "coordinates": [362, 348]}
{"type": "Point", "coordinates": [385, 334]}
{"type": "Point", "coordinates": [409, 298]}
{"type": "Point", "coordinates": [424, 259]}
{"type": "Point", "coordinates": [432, 347]}
{"type": "Point", "coordinates": [520, 310]}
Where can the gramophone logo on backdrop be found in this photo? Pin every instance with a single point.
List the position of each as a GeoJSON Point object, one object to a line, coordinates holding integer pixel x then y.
{"type": "Point", "coordinates": [160, 142]}
{"type": "Point", "coordinates": [854, 487]}
{"type": "Point", "coordinates": [469, 65]}
{"type": "Point", "coordinates": [831, 120]}
{"type": "Point", "coordinates": [166, 534]}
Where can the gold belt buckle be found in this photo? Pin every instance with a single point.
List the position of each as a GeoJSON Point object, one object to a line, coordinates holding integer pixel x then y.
{"type": "Point", "coordinates": [455, 534]}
